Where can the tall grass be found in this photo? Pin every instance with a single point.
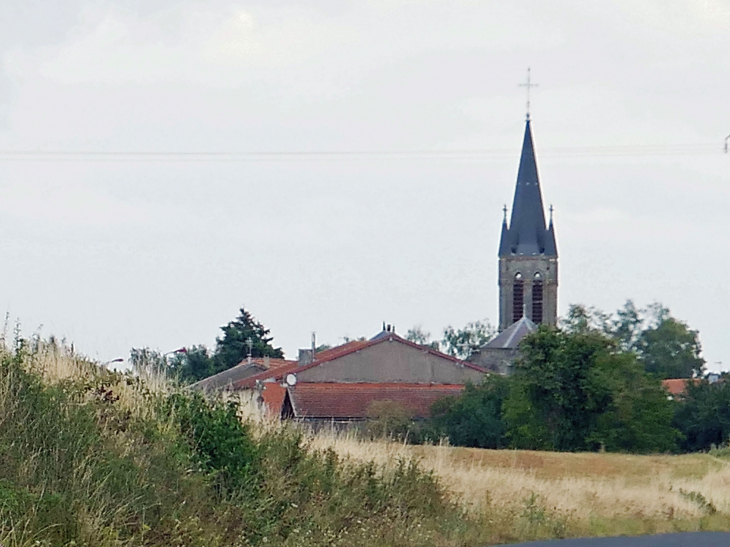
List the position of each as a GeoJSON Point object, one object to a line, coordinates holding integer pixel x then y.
{"type": "Point", "coordinates": [91, 457]}
{"type": "Point", "coordinates": [590, 493]}
{"type": "Point", "coordinates": [97, 458]}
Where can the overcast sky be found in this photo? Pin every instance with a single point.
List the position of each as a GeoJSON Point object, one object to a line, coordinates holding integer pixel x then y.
{"type": "Point", "coordinates": [115, 252]}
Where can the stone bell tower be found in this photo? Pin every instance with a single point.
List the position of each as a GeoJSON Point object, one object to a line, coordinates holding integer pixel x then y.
{"type": "Point", "coordinates": [528, 254]}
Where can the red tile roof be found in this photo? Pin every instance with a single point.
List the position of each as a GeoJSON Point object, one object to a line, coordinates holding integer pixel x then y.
{"type": "Point", "coordinates": [341, 351]}
{"type": "Point", "coordinates": [678, 386]}
{"type": "Point", "coordinates": [274, 364]}
{"type": "Point", "coordinates": [273, 395]}
{"type": "Point", "coordinates": [351, 401]}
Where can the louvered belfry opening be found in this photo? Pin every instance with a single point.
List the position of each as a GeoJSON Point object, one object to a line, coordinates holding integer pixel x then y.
{"type": "Point", "coordinates": [518, 298]}
{"type": "Point", "coordinates": [537, 299]}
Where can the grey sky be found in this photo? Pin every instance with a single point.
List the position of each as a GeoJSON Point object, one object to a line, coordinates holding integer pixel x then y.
{"type": "Point", "coordinates": [123, 253]}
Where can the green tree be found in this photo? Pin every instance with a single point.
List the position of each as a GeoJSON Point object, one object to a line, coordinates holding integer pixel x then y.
{"type": "Point", "coordinates": [557, 397]}
{"type": "Point", "coordinates": [670, 349]}
{"type": "Point", "coordinates": [583, 319]}
{"type": "Point", "coordinates": [233, 346]}
{"type": "Point", "coordinates": [146, 360]}
{"type": "Point", "coordinates": [474, 418]}
{"type": "Point", "coordinates": [194, 364]}
{"type": "Point", "coordinates": [703, 415]}
{"type": "Point", "coordinates": [627, 326]}
{"type": "Point", "coordinates": [418, 336]}
{"type": "Point", "coordinates": [578, 391]}
{"type": "Point", "coordinates": [667, 347]}
{"type": "Point", "coordinates": [388, 419]}
{"type": "Point", "coordinates": [462, 343]}
{"type": "Point", "coordinates": [639, 418]}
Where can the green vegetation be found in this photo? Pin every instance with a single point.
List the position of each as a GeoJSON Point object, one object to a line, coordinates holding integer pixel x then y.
{"type": "Point", "coordinates": [665, 346]}
{"type": "Point", "coordinates": [233, 346]}
{"type": "Point", "coordinates": [703, 416]}
{"type": "Point", "coordinates": [194, 363]}
{"type": "Point", "coordinates": [568, 392]}
{"type": "Point", "coordinates": [593, 384]}
{"type": "Point", "coordinates": [474, 418]}
{"type": "Point", "coordinates": [575, 392]}
{"type": "Point", "coordinates": [103, 459]}
{"type": "Point", "coordinates": [460, 343]}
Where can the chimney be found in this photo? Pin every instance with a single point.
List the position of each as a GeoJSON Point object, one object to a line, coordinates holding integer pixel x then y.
{"type": "Point", "coordinates": [306, 356]}
{"type": "Point", "coordinates": [267, 362]}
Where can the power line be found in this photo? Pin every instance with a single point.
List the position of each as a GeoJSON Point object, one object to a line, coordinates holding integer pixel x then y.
{"type": "Point", "coordinates": [307, 155]}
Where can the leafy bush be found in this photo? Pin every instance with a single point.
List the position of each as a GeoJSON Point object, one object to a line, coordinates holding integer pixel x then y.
{"type": "Point", "coordinates": [220, 443]}
{"type": "Point", "coordinates": [474, 418]}
{"type": "Point", "coordinates": [388, 419]}
{"type": "Point", "coordinates": [703, 415]}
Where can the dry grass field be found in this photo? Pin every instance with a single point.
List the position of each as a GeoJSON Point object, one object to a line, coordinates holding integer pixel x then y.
{"type": "Point", "coordinates": [586, 493]}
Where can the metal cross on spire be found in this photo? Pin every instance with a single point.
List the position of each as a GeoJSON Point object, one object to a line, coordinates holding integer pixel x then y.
{"type": "Point", "coordinates": [528, 85]}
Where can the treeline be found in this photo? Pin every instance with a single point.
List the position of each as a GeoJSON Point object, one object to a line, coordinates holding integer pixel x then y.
{"type": "Point", "coordinates": [593, 383]}
{"type": "Point", "coordinates": [240, 338]}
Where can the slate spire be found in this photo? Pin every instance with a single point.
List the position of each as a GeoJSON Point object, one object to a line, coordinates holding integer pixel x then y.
{"type": "Point", "coordinates": [526, 234]}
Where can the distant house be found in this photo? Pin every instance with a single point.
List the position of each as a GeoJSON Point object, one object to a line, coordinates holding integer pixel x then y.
{"type": "Point", "coordinates": [341, 384]}
{"type": "Point", "coordinates": [499, 354]}
{"type": "Point", "coordinates": [677, 387]}
{"type": "Point", "coordinates": [245, 369]}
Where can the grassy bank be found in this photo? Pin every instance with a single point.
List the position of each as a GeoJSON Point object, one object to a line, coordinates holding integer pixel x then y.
{"type": "Point", "coordinates": [90, 457]}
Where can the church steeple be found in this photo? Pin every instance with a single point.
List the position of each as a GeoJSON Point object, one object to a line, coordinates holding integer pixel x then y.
{"type": "Point", "coordinates": [528, 254]}
{"type": "Point", "coordinates": [526, 234]}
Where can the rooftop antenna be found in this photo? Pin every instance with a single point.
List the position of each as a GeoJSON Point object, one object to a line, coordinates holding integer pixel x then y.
{"type": "Point", "coordinates": [528, 85]}
{"type": "Point", "coordinates": [551, 213]}
{"type": "Point", "coordinates": [726, 139]}
{"type": "Point", "coordinates": [249, 343]}
{"type": "Point", "coordinates": [504, 209]}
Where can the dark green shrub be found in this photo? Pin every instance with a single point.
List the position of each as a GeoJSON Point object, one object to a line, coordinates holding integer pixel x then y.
{"type": "Point", "coordinates": [220, 442]}
{"type": "Point", "coordinates": [474, 418]}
